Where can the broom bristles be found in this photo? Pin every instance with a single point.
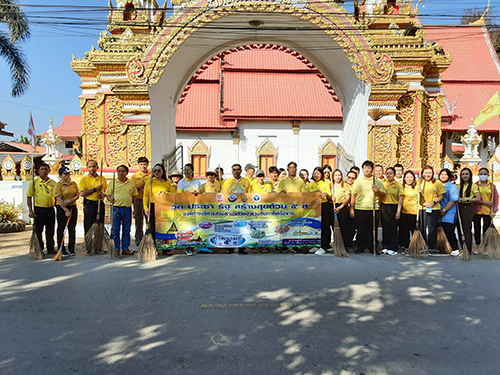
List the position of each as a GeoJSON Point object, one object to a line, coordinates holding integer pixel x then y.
{"type": "Point", "coordinates": [58, 256]}
{"type": "Point", "coordinates": [110, 245]}
{"type": "Point", "coordinates": [417, 244]}
{"type": "Point", "coordinates": [94, 238]}
{"type": "Point", "coordinates": [36, 251]}
{"type": "Point", "coordinates": [490, 246]}
{"type": "Point", "coordinates": [338, 244]}
{"type": "Point", "coordinates": [442, 243]}
{"type": "Point", "coordinates": [146, 251]}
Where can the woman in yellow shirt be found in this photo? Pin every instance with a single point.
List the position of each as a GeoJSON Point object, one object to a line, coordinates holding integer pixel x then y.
{"type": "Point", "coordinates": [431, 193]}
{"type": "Point", "coordinates": [327, 172]}
{"type": "Point", "coordinates": [161, 185]}
{"type": "Point", "coordinates": [341, 198]}
{"type": "Point", "coordinates": [407, 208]}
{"type": "Point", "coordinates": [468, 195]}
{"type": "Point", "coordinates": [212, 185]}
{"type": "Point", "coordinates": [319, 185]}
{"type": "Point", "coordinates": [486, 209]}
{"type": "Point", "coordinates": [389, 212]}
{"type": "Point", "coordinates": [260, 186]}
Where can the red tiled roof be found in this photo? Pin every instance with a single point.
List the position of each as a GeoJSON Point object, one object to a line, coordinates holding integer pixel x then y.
{"type": "Point", "coordinates": [469, 47]}
{"type": "Point", "coordinates": [279, 59]}
{"type": "Point", "coordinates": [70, 127]}
{"type": "Point", "coordinates": [457, 148]}
{"type": "Point", "coordinates": [210, 71]}
{"type": "Point", "coordinates": [277, 95]}
{"type": "Point", "coordinates": [25, 147]}
{"type": "Point", "coordinates": [473, 97]}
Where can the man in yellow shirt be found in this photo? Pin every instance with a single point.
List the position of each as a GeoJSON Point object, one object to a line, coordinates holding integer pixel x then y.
{"type": "Point", "coordinates": [212, 185]}
{"type": "Point", "coordinates": [291, 183]}
{"type": "Point", "coordinates": [364, 194]}
{"type": "Point", "coordinates": [250, 170]}
{"type": "Point", "coordinates": [236, 184]}
{"type": "Point", "coordinates": [260, 185]}
{"type": "Point", "coordinates": [140, 177]}
{"type": "Point", "coordinates": [92, 190]}
{"type": "Point", "coordinates": [41, 206]}
{"type": "Point", "coordinates": [125, 203]}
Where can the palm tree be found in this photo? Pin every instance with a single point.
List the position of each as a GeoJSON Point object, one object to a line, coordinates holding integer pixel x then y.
{"type": "Point", "coordinates": [17, 31]}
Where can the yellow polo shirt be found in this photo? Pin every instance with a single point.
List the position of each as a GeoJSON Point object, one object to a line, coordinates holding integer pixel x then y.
{"type": "Point", "coordinates": [207, 188]}
{"type": "Point", "coordinates": [88, 182]}
{"type": "Point", "coordinates": [158, 187]}
{"type": "Point", "coordinates": [392, 192]}
{"type": "Point", "coordinates": [44, 192]}
{"type": "Point", "coordinates": [410, 199]}
{"type": "Point", "coordinates": [341, 192]}
{"type": "Point", "coordinates": [431, 191]}
{"type": "Point", "coordinates": [124, 192]}
{"type": "Point", "coordinates": [66, 191]}
{"type": "Point", "coordinates": [231, 185]}
{"type": "Point", "coordinates": [252, 180]}
{"type": "Point", "coordinates": [139, 178]}
{"type": "Point", "coordinates": [362, 187]}
{"type": "Point", "coordinates": [473, 191]}
{"type": "Point", "coordinates": [485, 192]}
{"type": "Point", "coordinates": [297, 185]}
{"type": "Point", "coordinates": [324, 186]}
{"type": "Point", "coordinates": [265, 188]}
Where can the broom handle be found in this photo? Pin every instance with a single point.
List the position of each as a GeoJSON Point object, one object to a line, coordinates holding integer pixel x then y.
{"type": "Point", "coordinates": [98, 199]}
{"type": "Point", "coordinates": [113, 203]}
{"type": "Point", "coordinates": [65, 229]}
{"type": "Point", "coordinates": [374, 229]}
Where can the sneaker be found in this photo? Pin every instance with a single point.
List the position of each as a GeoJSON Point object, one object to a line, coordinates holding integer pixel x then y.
{"type": "Point", "coordinates": [320, 252]}
{"type": "Point", "coordinates": [391, 252]}
{"type": "Point", "coordinates": [455, 253]}
{"type": "Point", "coordinates": [189, 252]}
{"type": "Point", "coordinates": [72, 254]}
{"type": "Point", "coordinates": [431, 252]}
{"type": "Point", "coordinates": [385, 251]}
{"type": "Point", "coordinates": [65, 255]}
{"type": "Point", "coordinates": [312, 250]}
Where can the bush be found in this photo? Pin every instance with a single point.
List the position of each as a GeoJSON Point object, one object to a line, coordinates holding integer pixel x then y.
{"type": "Point", "coordinates": [9, 212]}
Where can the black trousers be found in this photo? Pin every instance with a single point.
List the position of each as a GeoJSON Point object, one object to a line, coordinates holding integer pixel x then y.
{"type": "Point", "coordinates": [390, 238]}
{"type": "Point", "coordinates": [466, 212]}
{"type": "Point", "coordinates": [407, 224]}
{"type": "Point", "coordinates": [449, 231]}
{"type": "Point", "coordinates": [477, 226]}
{"type": "Point", "coordinates": [428, 224]}
{"type": "Point", "coordinates": [62, 219]}
{"type": "Point", "coordinates": [151, 222]}
{"type": "Point", "coordinates": [326, 224]}
{"type": "Point", "coordinates": [45, 218]}
{"type": "Point", "coordinates": [347, 225]}
{"type": "Point", "coordinates": [90, 213]}
{"type": "Point", "coordinates": [364, 226]}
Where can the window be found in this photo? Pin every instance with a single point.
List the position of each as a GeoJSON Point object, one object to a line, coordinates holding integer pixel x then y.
{"type": "Point", "coordinates": [266, 161]}
{"type": "Point", "coordinates": [200, 165]}
{"type": "Point", "coordinates": [329, 160]}
{"type": "Point", "coordinates": [69, 144]}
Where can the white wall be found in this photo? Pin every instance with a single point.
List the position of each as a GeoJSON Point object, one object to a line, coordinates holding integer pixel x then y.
{"type": "Point", "coordinates": [15, 191]}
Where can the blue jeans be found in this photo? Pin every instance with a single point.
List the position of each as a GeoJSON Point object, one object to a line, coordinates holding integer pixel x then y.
{"type": "Point", "coordinates": [122, 218]}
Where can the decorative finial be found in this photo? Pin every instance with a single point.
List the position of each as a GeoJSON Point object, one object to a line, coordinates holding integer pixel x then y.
{"type": "Point", "coordinates": [481, 21]}
{"type": "Point", "coordinates": [110, 4]}
{"type": "Point", "coordinates": [51, 123]}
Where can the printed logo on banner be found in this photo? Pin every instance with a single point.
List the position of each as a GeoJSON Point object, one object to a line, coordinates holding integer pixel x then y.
{"type": "Point", "coordinates": [219, 197]}
{"type": "Point", "coordinates": [227, 240]}
{"type": "Point", "coordinates": [240, 223]}
{"type": "Point", "coordinates": [256, 198]}
{"type": "Point", "coordinates": [205, 225]}
{"type": "Point", "coordinates": [184, 234]}
{"type": "Point", "coordinates": [232, 198]}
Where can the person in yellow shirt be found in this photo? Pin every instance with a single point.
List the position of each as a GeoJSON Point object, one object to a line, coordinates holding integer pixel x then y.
{"type": "Point", "coordinates": [304, 174]}
{"type": "Point", "coordinates": [341, 200]}
{"type": "Point", "coordinates": [322, 187]}
{"type": "Point", "coordinates": [389, 212]}
{"type": "Point", "coordinates": [485, 210]}
{"type": "Point", "coordinates": [41, 206]}
{"type": "Point", "coordinates": [176, 176]}
{"type": "Point", "coordinates": [66, 193]}
{"type": "Point", "coordinates": [92, 190]}
{"type": "Point", "coordinates": [378, 171]}
{"type": "Point", "coordinates": [140, 177]}
{"type": "Point", "coordinates": [273, 177]}
{"type": "Point", "coordinates": [260, 185]}
{"type": "Point", "coordinates": [236, 184]}
{"type": "Point", "coordinates": [468, 195]}
{"type": "Point", "coordinates": [291, 183]}
{"type": "Point", "coordinates": [125, 202]}
{"type": "Point", "coordinates": [212, 185]}
{"type": "Point", "coordinates": [408, 208]}
{"type": "Point", "coordinates": [250, 171]}
{"type": "Point", "coordinates": [219, 175]}
{"type": "Point", "coordinates": [431, 193]}
{"type": "Point", "coordinates": [281, 174]}
{"type": "Point", "coordinates": [365, 195]}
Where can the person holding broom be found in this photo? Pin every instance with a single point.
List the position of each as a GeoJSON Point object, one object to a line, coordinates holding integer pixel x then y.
{"type": "Point", "coordinates": [486, 209]}
{"type": "Point", "coordinates": [125, 203]}
{"type": "Point", "coordinates": [390, 212]}
{"type": "Point", "coordinates": [449, 210]}
{"type": "Point", "coordinates": [431, 193]}
{"type": "Point", "coordinates": [42, 188]}
{"type": "Point", "coordinates": [161, 185]}
{"type": "Point", "coordinates": [364, 202]}
{"type": "Point", "coordinates": [92, 190]}
{"type": "Point", "coordinates": [140, 177]}
{"type": "Point", "coordinates": [322, 187]}
{"type": "Point", "coordinates": [408, 208]}
{"type": "Point", "coordinates": [468, 195]}
{"type": "Point", "coordinates": [66, 193]}
{"type": "Point", "coordinates": [341, 198]}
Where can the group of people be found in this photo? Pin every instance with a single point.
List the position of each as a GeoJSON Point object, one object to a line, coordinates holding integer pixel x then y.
{"type": "Point", "coordinates": [361, 202]}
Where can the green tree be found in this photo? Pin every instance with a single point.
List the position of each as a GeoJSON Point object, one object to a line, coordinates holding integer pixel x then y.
{"type": "Point", "coordinates": [27, 141]}
{"type": "Point", "coordinates": [17, 31]}
{"type": "Point", "coordinates": [473, 14]}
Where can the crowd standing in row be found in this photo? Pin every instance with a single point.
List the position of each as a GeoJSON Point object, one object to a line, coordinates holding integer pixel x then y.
{"type": "Point", "coordinates": [388, 196]}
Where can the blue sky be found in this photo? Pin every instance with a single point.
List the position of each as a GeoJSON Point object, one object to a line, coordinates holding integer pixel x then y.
{"type": "Point", "coordinates": [54, 87]}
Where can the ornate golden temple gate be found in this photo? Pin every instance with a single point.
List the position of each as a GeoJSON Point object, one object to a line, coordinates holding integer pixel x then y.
{"type": "Point", "coordinates": [386, 74]}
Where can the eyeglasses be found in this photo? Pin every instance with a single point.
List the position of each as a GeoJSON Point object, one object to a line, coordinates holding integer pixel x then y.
{"type": "Point", "coordinates": [350, 178]}
{"type": "Point", "coordinates": [157, 171]}
{"type": "Point", "coordinates": [236, 169]}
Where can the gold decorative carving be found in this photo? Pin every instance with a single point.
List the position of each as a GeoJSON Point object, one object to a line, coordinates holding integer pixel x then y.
{"type": "Point", "coordinates": [200, 148]}
{"type": "Point", "coordinates": [136, 138]}
{"type": "Point", "coordinates": [296, 127]}
{"type": "Point", "coordinates": [26, 172]}
{"type": "Point", "coordinates": [328, 149]}
{"type": "Point", "coordinates": [446, 162]}
{"type": "Point", "coordinates": [494, 165]}
{"type": "Point", "coordinates": [406, 151]}
{"type": "Point", "coordinates": [116, 141]}
{"type": "Point", "coordinates": [266, 148]}
{"type": "Point", "coordinates": [9, 167]}
{"type": "Point", "coordinates": [91, 131]}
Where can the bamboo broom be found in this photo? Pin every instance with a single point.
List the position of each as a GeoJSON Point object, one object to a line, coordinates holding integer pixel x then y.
{"type": "Point", "coordinates": [374, 226]}
{"type": "Point", "coordinates": [146, 251]}
{"type": "Point", "coordinates": [35, 246]}
{"type": "Point", "coordinates": [338, 241]}
{"type": "Point", "coordinates": [95, 236]}
{"type": "Point", "coordinates": [490, 245]}
{"type": "Point", "coordinates": [113, 254]}
{"type": "Point", "coordinates": [417, 242]}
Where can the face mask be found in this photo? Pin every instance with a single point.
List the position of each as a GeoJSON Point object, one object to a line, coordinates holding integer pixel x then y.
{"type": "Point", "coordinates": [483, 177]}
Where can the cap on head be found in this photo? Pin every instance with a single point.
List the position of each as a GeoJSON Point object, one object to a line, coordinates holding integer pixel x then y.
{"type": "Point", "coordinates": [259, 172]}
{"type": "Point", "coordinates": [210, 170]}
{"type": "Point", "coordinates": [64, 170]}
{"type": "Point", "coordinates": [250, 166]}
{"type": "Point", "coordinates": [175, 174]}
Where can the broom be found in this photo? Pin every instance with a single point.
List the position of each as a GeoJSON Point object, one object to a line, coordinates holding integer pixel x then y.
{"type": "Point", "coordinates": [338, 241]}
{"type": "Point", "coordinates": [110, 240]}
{"type": "Point", "coordinates": [35, 247]}
{"type": "Point", "coordinates": [58, 256]}
{"type": "Point", "coordinates": [417, 242]}
{"type": "Point", "coordinates": [490, 246]}
{"type": "Point", "coordinates": [147, 249]}
{"type": "Point", "coordinates": [374, 229]}
{"type": "Point", "coordinates": [465, 251]}
{"type": "Point", "coordinates": [95, 235]}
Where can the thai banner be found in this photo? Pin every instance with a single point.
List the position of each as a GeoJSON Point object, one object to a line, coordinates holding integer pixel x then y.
{"type": "Point", "coordinates": [213, 220]}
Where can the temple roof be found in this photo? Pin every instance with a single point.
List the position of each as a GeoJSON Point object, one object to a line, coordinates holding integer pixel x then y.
{"type": "Point", "coordinates": [3, 132]}
{"type": "Point", "coordinates": [71, 127]}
